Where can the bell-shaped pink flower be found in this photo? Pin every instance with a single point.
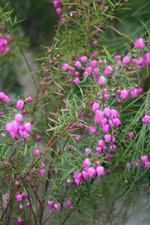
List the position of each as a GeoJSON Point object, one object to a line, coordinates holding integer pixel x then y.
{"type": "Point", "coordinates": [92, 130]}
{"type": "Point", "coordinates": [101, 81]}
{"type": "Point", "coordinates": [86, 163]}
{"type": "Point", "coordinates": [78, 64]}
{"type": "Point", "coordinates": [93, 63]}
{"type": "Point", "coordinates": [108, 70]}
{"type": "Point", "coordinates": [83, 58]}
{"type": "Point", "coordinates": [100, 171]}
{"type": "Point", "coordinates": [66, 67]}
{"type": "Point", "coordinates": [18, 117]}
{"type": "Point", "coordinates": [107, 137]}
{"type": "Point", "coordinates": [91, 172]}
{"type": "Point", "coordinates": [57, 207]}
{"type": "Point", "coordinates": [20, 221]}
{"type": "Point", "coordinates": [69, 204]}
{"type": "Point", "coordinates": [95, 106]}
{"type": "Point", "coordinates": [50, 204]}
{"type": "Point", "coordinates": [147, 58]}
{"type": "Point", "coordinates": [99, 115]}
{"type": "Point", "coordinates": [124, 94]}
{"type": "Point", "coordinates": [126, 60]}
{"type": "Point", "coordinates": [20, 104]}
{"type": "Point", "coordinates": [139, 43]}
{"type": "Point", "coordinates": [84, 175]}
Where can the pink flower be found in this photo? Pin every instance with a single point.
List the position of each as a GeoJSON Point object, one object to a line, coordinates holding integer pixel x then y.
{"type": "Point", "coordinates": [100, 150]}
{"type": "Point", "coordinates": [128, 166]}
{"type": "Point", "coordinates": [36, 152]}
{"type": "Point", "coordinates": [6, 99]}
{"type": "Point", "coordinates": [91, 172]}
{"type": "Point", "coordinates": [107, 111]}
{"type": "Point", "coordinates": [78, 138]}
{"type": "Point", "coordinates": [77, 175]}
{"type": "Point", "coordinates": [108, 70]}
{"type": "Point", "coordinates": [105, 128]}
{"type": "Point", "coordinates": [20, 104]}
{"type": "Point", "coordinates": [57, 207]}
{"type": "Point", "coordinates": [59, 11]}
{"type": "Point", "coordinates": [110, 122]}
{"type": "Point", "coordinates": [124, 94]}
{"type": "Point", "coordinates": [101, 143]}
{"type": "Point", "coordinates": [100, 171]}
{"type": "Point", "coordinates": [114, 113]}
{"type": "Point", "coordinates": [147, 58]}
{"type": "Point", "coordinates": [29, 99]}
{"type": "Point", "coordinates": [69, 204]}
{"type": "Point", "coordinates": [95, 43]}
{"type": "Point", "coordinates": [38, 138]}
{"type": "Point", "coordinates": [63, 20]}
{"type": "Point", "coordinates": [66, 67]}
{"type": "Point", "coordinates": [107, 137]}
{"type": "Point", "coordinates": [95, 53]}
{"type": "Point", "coordinates": [76, 80]}
{"type": "Point", "coordinates": [116, 122]}
{"type": "Point", "coordinates": [2, 95]}
{"type": "Point", "coordinates": [86, 163]}
{"type": "Point", "coordinates": [118, 57]}
{"type": "Point", "coordinates": [84, 175]}
{"type": "Point", "coordinates": [28, 126]}
{"type": "Point", "coordinates": [87, 151]}
{"type": "Point", "coordinates": [139, 43]}
{"type": "Point", "coordinates": [42, 171]}
{"type": "Point", "coordinates": [93, 63]}
{"type": "Point", "coordinates": [92, 130]}
{"type": "Point", "coordinates": [136, 92]}
{"type": "Point", "coordinates": [19, 117]}
{"type": "Point", "coordinates": [126, 60]}
{"type": "Point", "coordinates": [109, 157]}
{"type": "Point", "coordinates": [78, 182]}
{"type": "Point", "coordinates": [88, 71]}
{"type": "Point", "coordinates": [78, 64]}
{"type": "Point", "coordinates": [144, 158]}
{"type": "Point", "coordinates": [146, 119]}
{"type": "Point", "coordinates": [77, 73]}
{"type": "Point", "coordinates": [95, 106]}
{"type": "Point", "coordinates": [50, 204]}
{"type": "Point", "coordinates": [99, 115]}
{"type": "Point", "coordinates": [20, 221]}
{"type": "Point", "coordinates": [83, 58]}
{"type": "Point", "coordinates": [131, 135]}
{"type": "Point", "coordinates": [101, 81]}
{"type": "Point", "coordinates": [147, 164]}
{"type": "Point", "coordinates": [8, 37]}
{"type": "Point", "coordinates": [19, 197]}
{"type": "Point", "coordinates": [55, 3]}
{"type": "Point", "coordinates": [113, 148]}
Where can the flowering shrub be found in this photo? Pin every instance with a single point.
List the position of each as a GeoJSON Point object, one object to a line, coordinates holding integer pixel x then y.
{"type": "Point", "coordinates": [83, 140]}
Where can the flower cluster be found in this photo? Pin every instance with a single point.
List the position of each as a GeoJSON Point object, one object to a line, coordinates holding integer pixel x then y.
{"type": "Point", "coordinates": [144, 161]}
{"type": "Point", "coordinates": [86, 66]}
{"type": "Point", "coordinates": [52, 204]}
{"type": "Point", "coordinates": [24, 202]}
{"type": "Point", "coordinates": [88, 171]}
{"type": "Point", "coordinates": [4, 98]}
{"type": "Point", "coordinates": [4, 41]}
{"type": "Point", "coordinates": [57, 4]}
{"type": "Point", "coordinates": [16, 129]}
